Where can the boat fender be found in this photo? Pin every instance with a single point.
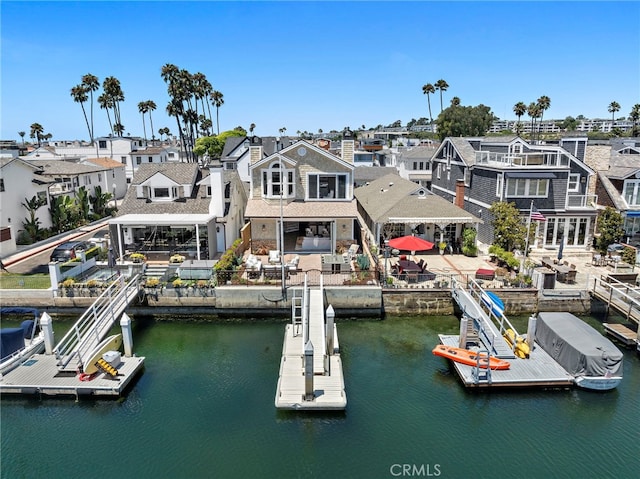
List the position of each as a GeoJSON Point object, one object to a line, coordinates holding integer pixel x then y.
{"type": "Point", "coordinates": [86, 377]}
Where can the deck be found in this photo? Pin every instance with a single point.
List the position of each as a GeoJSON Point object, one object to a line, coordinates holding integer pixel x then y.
{"type": "Point", "coordinates": [540, 370]}
{"type": "Point", "coordinates": [623, 334]}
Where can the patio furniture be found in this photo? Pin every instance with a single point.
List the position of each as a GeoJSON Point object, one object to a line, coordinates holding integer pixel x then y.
{"type": "Point", "coordinates": [335, 263]}
{"type": "Point", "coordinates": [292, 265]}
{"type": "Point", "coordinates": [272, 271]}
{"type": "Point", "coordinates": [274, 256]}
{"type": "Point", "coordinates": [253, 266]}
{"type": "Point", "coordinates": [353, 250]}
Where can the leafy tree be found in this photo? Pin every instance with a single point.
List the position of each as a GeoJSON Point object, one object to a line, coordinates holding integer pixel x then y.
{"type": "Point", "coordinates": [568, 124]}
{"type": "Point", "coordinates": [610, 223]}
{"type": "Point", "coordinates": [464, 121]}
{"type": "Point", "coordinates": [64, 214]}
{"type": "Point", "coordinates": [82, 201]}
{"type": "Point", "coordinates": [509, 232]}
{"type": "Point", "coordinates": [100, 201]}
{"type": "Point", "coordinates": [213, 145]}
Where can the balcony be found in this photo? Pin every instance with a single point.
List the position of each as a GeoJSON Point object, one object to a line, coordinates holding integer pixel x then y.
{"type": "Point", "coordinates": [581, 201]}
{"type": "Point", "coordinates": [519, 160]}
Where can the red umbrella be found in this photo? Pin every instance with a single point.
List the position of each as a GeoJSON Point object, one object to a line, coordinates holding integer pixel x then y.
{"type": "Point", "coordinates": [410, 243]}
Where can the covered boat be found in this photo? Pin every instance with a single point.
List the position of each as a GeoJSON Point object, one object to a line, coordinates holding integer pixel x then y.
{"type": "Point", "coordinates": [18, 344]}
{"type": "Point", "coordinates": [591, 358]}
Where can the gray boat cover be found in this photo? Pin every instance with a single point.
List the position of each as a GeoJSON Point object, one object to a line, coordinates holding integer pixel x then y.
{"type": "Point", "coordinates": [576, 346]}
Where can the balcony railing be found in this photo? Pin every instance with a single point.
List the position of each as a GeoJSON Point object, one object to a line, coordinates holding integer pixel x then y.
{"type": "Point", "coordinates": [550, 159]}
{"type": "Point", "coordinates": [582, 201]}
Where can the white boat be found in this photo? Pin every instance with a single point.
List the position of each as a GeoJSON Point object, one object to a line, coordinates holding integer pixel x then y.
{"type": "Point", "coordinates": [19, 344]}
{"type": "Point", "coordinates": [593, 360]}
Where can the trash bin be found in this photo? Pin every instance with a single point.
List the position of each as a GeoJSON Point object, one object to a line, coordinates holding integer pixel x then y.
{"type": "Point", "coordinates": [544, 278]}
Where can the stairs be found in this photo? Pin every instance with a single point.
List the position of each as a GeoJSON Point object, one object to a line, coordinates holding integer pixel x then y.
{"type": "Point", "coordinates": [155, 270]}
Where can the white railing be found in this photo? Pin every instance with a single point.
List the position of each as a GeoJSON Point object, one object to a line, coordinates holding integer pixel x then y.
{"type": "Point", "coordinates": [548, 159]}
{"type": "Point", "coordinates": [582, 201]}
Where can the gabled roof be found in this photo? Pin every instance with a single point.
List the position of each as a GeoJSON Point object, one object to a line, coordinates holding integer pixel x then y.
{"type": "Point", "coordinates": [107, 163]}
{"type": "Point", "coordinates": [370, 173]}
{"type": "Point", "coordinates": [231, 144]}
{"type": "Point", "coordinates": [5, 161]}
{"type": "Point", "coordinates": [61, 167]}
{"type": "Point", "coordinates": [614, 195]}
{"type": "Point", "coordinates": [181, 173]}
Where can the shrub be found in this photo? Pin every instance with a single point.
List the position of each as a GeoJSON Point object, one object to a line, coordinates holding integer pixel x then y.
{"type": "Point", "coordinates": [152, 282]}
{"type": "Point", "coordinates": [68, 283]}
{"type": "Point", "coordinates": [177, 283]}
{"type": "Point", "coordinates": [363, 262]}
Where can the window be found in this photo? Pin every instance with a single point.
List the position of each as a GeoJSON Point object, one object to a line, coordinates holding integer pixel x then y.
{"type": "Point", "coordinates": [42, 196]}
{"type": "Point", "coordinates": [499, 185]}
{"type": "Point", "coordinates": [138, 160]}
{"type": "Point", "coordinates": [1, 184]}
{"type": "Point", "coordinates": [151, 159]}
{"type": "Point", "coordinates": [327, 186]}
{"type": "Point", "coordinates": [438, 168]}
{"type": "Point", "coordinates": [527, 187]}
{"type": "Point", "coordinates": [171, 154]}
{"type": "Point", "coordinates": [161, 193]}
{"type": "Point", "coordinates": [229, 165]}
{"type": "Point", "coordinates": [276, 179]}
{"type": "Point", "coordinates": [123, 160]}
{"type": "Point", "coordinates": [631, 192]}
{"type": "Point", "coordinates": [574, 182]}
{"type": "Point", "coordinates": [102, 144]}
{"type": "Point", "coordinates": [99, 177]}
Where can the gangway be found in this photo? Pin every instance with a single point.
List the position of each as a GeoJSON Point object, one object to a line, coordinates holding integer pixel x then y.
{"type": "Point", "coordinates": [94, 324]}
{"type": "Point", "coordinates": [621, 297]}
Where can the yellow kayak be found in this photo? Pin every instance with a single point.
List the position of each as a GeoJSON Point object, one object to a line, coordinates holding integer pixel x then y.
{"type": "Point", "coordinates": [521, 349]}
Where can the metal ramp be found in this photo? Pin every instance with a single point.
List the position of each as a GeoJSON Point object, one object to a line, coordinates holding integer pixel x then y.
{"type": "Point", "coordinates": [95, 324]}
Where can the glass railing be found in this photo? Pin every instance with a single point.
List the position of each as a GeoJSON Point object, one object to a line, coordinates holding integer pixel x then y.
{"type": "Point", "coordinates": [550, 159]}
{"type": "Point", "coordinates": [582, 201]}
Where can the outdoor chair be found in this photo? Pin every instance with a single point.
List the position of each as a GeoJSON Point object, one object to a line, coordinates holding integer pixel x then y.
{"type": "Point", "coordinates": [274, 256]}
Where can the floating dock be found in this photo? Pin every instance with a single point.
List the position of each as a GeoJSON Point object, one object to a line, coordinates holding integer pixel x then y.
{"type": "Point", "coordinates": [623, 334]}
{"type": "Point", "coordinates": [311, 376]}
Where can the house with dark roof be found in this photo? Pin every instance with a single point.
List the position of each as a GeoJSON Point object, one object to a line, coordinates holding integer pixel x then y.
{"type": "Point", "coordinates": [179, 208]}
{"type": "Point", "coordinates": [484, 170]}
{"type": "Point", "coordinates": [301, 197]}
{"type": "Point", "coordinates": [392, 206]}
{"type": "Point", "coordinates": [236, 156]}
{"type": "Point", "coordinates": [619, 185]}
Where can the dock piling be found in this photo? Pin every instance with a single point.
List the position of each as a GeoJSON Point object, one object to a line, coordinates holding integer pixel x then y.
{"type": "Point", "coordinates": [127, 337]}
{"type": "Point", "coordinates": [308, 371]}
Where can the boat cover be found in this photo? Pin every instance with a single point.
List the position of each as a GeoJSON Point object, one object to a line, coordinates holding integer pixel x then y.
{"type": "Point", "coordinates": [11, 340]}
{"type": "Point", "coordinates": [576, 346]}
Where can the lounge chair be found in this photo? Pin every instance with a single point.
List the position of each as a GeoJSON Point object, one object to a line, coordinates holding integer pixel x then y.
{"type": "Point", "coordinates": [274, 256]}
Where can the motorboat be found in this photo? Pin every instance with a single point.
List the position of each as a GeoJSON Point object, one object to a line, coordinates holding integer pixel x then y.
{"type": "Point", "coordinates": [19, 344]}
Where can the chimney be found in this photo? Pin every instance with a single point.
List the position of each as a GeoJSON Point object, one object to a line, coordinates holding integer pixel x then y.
{"type": "Point", "coordinates": [348, 143]}
{"type": "Point", "coordinates": [459, 201]}
{"type": "Point", "coordinates": [216, 204]}
{"type": "Point", "coordinates": [255, 149]}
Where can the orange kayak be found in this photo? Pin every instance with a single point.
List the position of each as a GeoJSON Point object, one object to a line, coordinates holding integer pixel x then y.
{"type": "Point", "coordinates": [468, 357]}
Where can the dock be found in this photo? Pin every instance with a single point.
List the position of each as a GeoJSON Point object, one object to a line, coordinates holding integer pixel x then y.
{"type": "Point", "coordinates": [58, 370]}
{"type": "Point", "coordinates": [311, 375]}
{"type": "Point", "coordinates": [487, 328]}
{"type": "Point", "coordinates": [626, 336]}
{"type": "Point", "coordinates": [618, 296]}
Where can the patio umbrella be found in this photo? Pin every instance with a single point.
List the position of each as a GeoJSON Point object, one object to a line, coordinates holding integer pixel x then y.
{"type": "Point", "coordinates": [111, 259]}
{"type": "Point", "coordinates": [410, 243]}
{"type": "Point", "coordinates": [560, 248]}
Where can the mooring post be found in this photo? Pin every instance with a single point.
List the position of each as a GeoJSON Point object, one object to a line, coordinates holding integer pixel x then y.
{"type": "Point", "coordinates": [127, 337]}
{"type": "Point", "coordinates": [330, 320]}
{"type": "Point", "coordinates": [464, 324]}
{"type": "Point", "coordinates": [308, 371]}
{"type": "Point", "coordinates": [531, 331]}
{"type": "Point", "coordinates": [47, 327]}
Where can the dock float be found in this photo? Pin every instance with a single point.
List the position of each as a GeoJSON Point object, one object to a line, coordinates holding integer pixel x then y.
{"type": "Point", "coordinates": [626, 336]}
{"type": "Point", "coordinates": [311, 376]}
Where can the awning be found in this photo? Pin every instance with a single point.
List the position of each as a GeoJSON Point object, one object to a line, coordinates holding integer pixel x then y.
{"type": "Point", "coordinates": [530, 174]}
{"type": "Point", "coordinates": [633, 214]}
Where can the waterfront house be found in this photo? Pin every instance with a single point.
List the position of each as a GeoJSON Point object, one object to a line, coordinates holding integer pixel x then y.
{"type": "Point", "coordinates": [414, 164]}
{"type": "Point", "coordinates": [179, 208]}
{"type": "Point", "coordinates": [301, 198]}
{"type": "Point", "coordinates": [392, 206]}
{"type": "Point", "coordinates": [115, 178]}
{"type": "Point", "coordinates": [481, 171]}
{"type": "Point", "coordinates": [619, 185]}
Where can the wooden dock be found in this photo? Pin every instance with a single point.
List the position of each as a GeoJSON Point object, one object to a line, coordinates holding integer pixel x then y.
{"type": "Point", "coordinates": [539, 370]}
{"type": "Point", "coordinates": [623, 334]}
{"type": "Point", "coordinates": [311, 376]}
{"type": "Point", "coordinates": [620, 297]}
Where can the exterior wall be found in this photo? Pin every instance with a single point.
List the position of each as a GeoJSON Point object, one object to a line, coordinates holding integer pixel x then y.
{"type": "Point", "coordinates": [598, 158]}
{"type": "Point", "coordinates": [18, 187]}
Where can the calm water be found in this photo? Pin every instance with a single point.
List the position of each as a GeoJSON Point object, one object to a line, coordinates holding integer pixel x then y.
{"type": "Point", "coordinates": [204, 407]}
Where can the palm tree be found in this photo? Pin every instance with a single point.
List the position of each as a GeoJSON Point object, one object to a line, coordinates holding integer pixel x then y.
{"type": "Point", "coordinates": [22, 133]}
{"type": "Point", "coordinates": [614, 106]}
{"type": "Point", "coordinates": [519, 109]}
{"type": "Point", "coordinates": [151, 106]}
{"type": "Point", "coordinates": [533, 110]}
{"type": "Point", "coordinates": [79, 95]}
{"type": "Point", "coordinates": [544, 102]}
{"type": "Point", "coordinates": [442, 86]}
{"type": "Point", "coordinates": [218, 101]}
{"type": "Point", "coordinates": [252, 127]}
{"type": "Point", "coordinates": [455, 101]}
{"type": "Point", "coordinates": [634, 116]}
{"type": "Point", "coordinates": [91, 83]}
{"type": "Point", "coordinates": [143, 108]}
{"type": "Point", "coordinates": [105, 103]}
{"type": "Point", "coordinates": [36, 132]}
{"type": "Point", "coordinates": [427, 90]}
{"type": "Point", "coordinates": [32, 224]}
{"type": "Point", "coordinates": [112, 89]}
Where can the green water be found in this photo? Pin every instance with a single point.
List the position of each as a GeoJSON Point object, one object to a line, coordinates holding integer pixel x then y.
{"type": "Point", "coordinates": [204, 407]}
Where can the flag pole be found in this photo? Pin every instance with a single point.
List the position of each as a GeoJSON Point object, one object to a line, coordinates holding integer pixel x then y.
{"type": "Point", "coordinates": [526, 244]}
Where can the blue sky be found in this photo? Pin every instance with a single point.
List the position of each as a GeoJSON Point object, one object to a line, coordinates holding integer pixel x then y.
{"type": "Point", "coordinates": [310, 65]}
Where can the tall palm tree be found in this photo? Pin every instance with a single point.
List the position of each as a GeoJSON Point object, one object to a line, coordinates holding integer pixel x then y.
{"type": "Point", "coordinates": [218, 101]}
{"type": "Point", "coordinates": [91, 83]}
{"type": "Point", "coordinates": [533, 110]}
{"type": "Point", "coordinates": [113, 90]}
{"type": "Point", "coordinates": [442, 86]}
{"type": "Point", "coordinates": [427, 90]}
{"type": "Point", "coordinates": [143, 108]}
{"type": "Point", "coordinates": [634, 116]}
{"type": "Point", "coordinates": [544, 102]}
{"type": "Point", "coordinates": [519, 109]}
{"type": "Point", "coordinates": [151, 106]}
{"type": "Point", "coordinates": [105, 103]}
{"type": "Point", "coordinates": [22, 133]}
{"type": "Point", "coordinates": [614, 106]}
{"type": "Point", "coordinates": [79, 95]}
{"type": "Point", "coordinates": [36, 132]}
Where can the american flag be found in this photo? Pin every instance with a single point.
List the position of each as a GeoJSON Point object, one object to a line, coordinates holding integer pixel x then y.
{"type": "Point", "coordinates": [536, 215]}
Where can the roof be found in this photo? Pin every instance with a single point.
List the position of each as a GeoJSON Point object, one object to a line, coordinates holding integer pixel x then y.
{"type": "Point", "coordinates": [392, 199]}
{"type": "Point", "coordinates": [61, 167]}
{"type": "Point", "coordinates": [259, 208]}
{"type": "Point", "coordinates": [131, 204]}
{"type": "Point", "coordinates": [104, 162]}
{"type": "Point", "coordinates": [369, 173]}
{"type": "Point", "coordinates": [419, 152]}
{"type": "Point", "coordinates": [181, 173]}
{"type": "Point", "coordinates": [163, 219]}
{"type": "Point", "coordinates": [614, 195]}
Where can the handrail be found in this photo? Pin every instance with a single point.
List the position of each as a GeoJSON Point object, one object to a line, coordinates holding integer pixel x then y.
{"type": "Point", "coordinates": [611, 285]}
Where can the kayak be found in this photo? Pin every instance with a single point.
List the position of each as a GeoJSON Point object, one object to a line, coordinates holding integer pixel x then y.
{"type": "Point", "coordinates": [470, 358]}
{"type": "Point", "coordinates": [522, 349]}
{"type": "Point", "coordinates": [493, 302]}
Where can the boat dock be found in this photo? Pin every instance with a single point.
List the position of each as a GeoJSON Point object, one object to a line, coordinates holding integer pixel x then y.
{"type": "Point", "coordinates": [538, 370]}
{"type": "Point", "coordinates": [311, 376]}
{"type": "Point", "coordinates": [623, 334]}
{"type": "Point", "coordinates": [58, 370]}
{"type": "Point", "coordinates": [618, 296]}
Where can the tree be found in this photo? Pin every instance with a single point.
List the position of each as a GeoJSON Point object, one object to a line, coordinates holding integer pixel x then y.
{"type": "Point", "coordinates": [519, 109]}
{"type": "Point", "coordinates": [31, 224]}
{"type": "Point", "coordinates": [100, 201]}
{"type": "Point", "coordinates": [509, 232]}
{"type": "Point", "coordinates": [614, 107]}
{"type": "Point", "coordinates": [79, 95]}
{"type": "Point", "coordinates": [143, 108]}
{"type": "Point", "coordinates": [533, 110]}
{"type": "Point", "coordinates": [91, 83]}
{"type": "Point", "coordinates": [213, 145]}
{"type": "Point", "coordinates": [218, 100]}
{"type": "Point", "coordinates": [36, 132]}
{"type": "Point", "coordinates": [82, 202]}
{"type": "Point", "coordinates": [22, 133]}
{"type": "Point", "coordinates": [151, 106]}
{"type": "Point", "coordinates": [252, 127]}
{"type": "Point", "coordinates": [568, 124]}
{"type": "Point", "coordinates": [455, 101]}
{"type": "Point", "coordinates": [427, 90]}
{"type": "Point", "coordinates": [544, 102]}
{"type": "Point", "coordinates": [442, 86]}
{"type": "Point", "coordinates": [464, 121]}
{"type": "Point", "coordinates": [634, 116]}
{"type": "Point", "coordinates": [610, 223]}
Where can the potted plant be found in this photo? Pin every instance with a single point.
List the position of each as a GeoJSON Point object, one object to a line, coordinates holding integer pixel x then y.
{"type": "Point", "coordinates": [137, 257]}
{"type": "Point", "coordinates": [441, 246]}
{"type": "Point", "coordinates": [176, 258]}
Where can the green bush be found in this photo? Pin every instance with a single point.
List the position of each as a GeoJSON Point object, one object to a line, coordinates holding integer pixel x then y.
{"type": "Point", "coordinates": [363, 262]}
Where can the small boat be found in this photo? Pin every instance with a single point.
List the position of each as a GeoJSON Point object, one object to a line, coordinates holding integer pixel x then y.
{"type": "Point", "coordinates": [592, 359]}
{"type": "Point", "coordinates": [19, 344]}
{"type": "Point", "coordinates": [521, 349]}
{"type": "Point", "coordinates": [470, 358]}
{"type": "Point", "coordinates": [493, 302]}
